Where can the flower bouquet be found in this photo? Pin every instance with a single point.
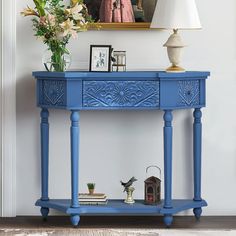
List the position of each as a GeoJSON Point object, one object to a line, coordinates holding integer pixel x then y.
{"type": "Point", "coordinates": [55, 24]}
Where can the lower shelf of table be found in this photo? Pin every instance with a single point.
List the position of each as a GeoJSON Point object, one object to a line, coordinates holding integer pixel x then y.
{"type": "Point", "coordinates": [118, 207]}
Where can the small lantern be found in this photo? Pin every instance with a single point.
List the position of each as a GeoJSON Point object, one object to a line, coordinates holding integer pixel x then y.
{"type": "Point", "coordinates": [119, 62]}
{"type": "Point", "coordinates": [152, 188]}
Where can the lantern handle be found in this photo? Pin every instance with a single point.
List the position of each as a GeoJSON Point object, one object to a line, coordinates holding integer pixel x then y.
{"type": "Point", "coordinates": [155, 167]}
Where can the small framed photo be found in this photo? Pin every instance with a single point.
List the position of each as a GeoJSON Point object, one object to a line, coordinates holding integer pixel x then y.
{"type": "Point", "coordinates": [100, 58]}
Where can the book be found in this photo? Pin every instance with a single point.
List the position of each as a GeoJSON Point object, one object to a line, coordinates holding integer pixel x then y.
{"type": "Point", "coordinates": [92, 199]}
{"type": "Point", "coordinates": [93, 203]}
{"type": "Point", "coordinates": [92, 196]}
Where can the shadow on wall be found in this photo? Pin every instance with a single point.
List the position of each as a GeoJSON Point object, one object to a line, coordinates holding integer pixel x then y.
{"type": "Point", "coordinates": [27, 116]}
{"type": "Point", "coordinates": [187, 146]}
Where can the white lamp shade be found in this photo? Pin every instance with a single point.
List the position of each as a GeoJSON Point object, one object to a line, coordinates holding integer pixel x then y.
{"type": "Point", "coordinates": [176, 14]}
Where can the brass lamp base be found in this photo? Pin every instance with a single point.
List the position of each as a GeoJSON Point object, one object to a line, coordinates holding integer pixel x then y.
{"type": "Point", "coordinates": [175, 69]}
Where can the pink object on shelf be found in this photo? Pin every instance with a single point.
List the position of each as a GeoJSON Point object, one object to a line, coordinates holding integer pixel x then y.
{"type": "Point", "coordinates": [116, 11]}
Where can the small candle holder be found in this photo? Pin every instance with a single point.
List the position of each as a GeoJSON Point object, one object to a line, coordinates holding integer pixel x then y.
{"type": "Point", "coordinates": [129, 199]}
{"type": "Point", "coordinates": [119, 61]}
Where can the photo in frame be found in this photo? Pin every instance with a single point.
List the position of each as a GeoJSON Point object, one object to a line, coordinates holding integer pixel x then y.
{"type": "Point", "coordinates": [100, 58]}
{"type": "Point", "coordinates": [121, 11]}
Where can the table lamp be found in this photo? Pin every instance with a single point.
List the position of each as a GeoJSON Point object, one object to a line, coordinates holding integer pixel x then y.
{"type": "Point", "coordinates": [175, 15]}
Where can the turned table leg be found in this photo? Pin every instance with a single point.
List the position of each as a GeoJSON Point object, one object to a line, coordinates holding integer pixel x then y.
{"type": "Point", "coordinates": [44, 126]}
{"type": "Point", "coordinates": [168, 218]}
{"type": "Point", "coordinates": [74, 136]}
{"type": "Point", "coordinates": [197, 148]}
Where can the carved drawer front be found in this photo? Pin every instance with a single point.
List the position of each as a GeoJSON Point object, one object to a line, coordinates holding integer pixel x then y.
{"type": "Point", "coordinates": [53, 93]}
{"type": "Point", "coordinates": [120, 93]}
{"type": "Point", "coordinates": [188, 93]}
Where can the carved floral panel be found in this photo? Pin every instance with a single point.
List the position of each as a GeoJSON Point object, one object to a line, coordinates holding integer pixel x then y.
{"type": "Point", "coordinates": [189, 93]}
{"type": "Point", "coordinates": [54, 92]}
{"type": "Point", "coordinates": [121, 93]}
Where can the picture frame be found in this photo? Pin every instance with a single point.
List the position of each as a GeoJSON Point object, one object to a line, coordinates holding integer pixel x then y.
{"type": "Point", "coordinates": [121, 14]}
{"type": "Point", "coordinates": [100, 58]}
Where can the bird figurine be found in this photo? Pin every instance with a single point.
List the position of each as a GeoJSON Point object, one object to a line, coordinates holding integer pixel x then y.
{"type": "Point", "coordinates": [129, 183]}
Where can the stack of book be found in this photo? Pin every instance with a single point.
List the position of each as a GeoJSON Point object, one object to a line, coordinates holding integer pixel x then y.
{"type": "Point", "coordinates": [92, 199]}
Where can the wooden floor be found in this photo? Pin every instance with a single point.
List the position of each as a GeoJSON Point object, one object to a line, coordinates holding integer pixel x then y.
{"type": "Point", "coordinates": [180, 222]}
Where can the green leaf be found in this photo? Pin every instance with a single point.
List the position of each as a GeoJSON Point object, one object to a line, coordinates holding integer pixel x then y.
{"type": "Point", "coordinates": [40, 5]}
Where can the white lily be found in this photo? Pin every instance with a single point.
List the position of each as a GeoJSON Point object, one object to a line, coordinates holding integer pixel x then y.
{"type": "Point", "coordinates": [77, 8]}
{"type": "Point", "coordinates": [51, 19]}
{"type": "Point", "coordinates": [76, 11]}
{"type": "Point", "coordinates": [79, 17]}
{"type": "Point", "coordinates": [69, 28]}
{"type": "Point", "coordinates": [29, 12]}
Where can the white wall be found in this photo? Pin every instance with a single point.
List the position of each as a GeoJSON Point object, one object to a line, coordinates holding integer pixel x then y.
{"type": "Point", "coordinates": [118, 144]}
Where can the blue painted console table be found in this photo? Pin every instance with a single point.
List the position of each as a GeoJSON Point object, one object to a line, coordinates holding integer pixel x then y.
{"type": "Point", "coordinates": [76, 91]}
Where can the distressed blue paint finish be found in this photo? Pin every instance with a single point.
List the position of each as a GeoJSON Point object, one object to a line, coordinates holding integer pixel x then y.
{"type": "Point", "coordinates": [54, 92]}
{"type": "Point", "coordinates": [189, 93]}
{"type": "Point", "coordinates": [197, 212]}
{"type": "Point", "coordinates": [118, 207]}
{"type": "Point", "coordinates": [181, 94]}
{"type": "Point", "coordinates": [168, 158]}
{"type": "Point", "coordinates": [197, 147]}
{"type": "Point", "coordinates": [74, 136]}
{"type": "Point", "coordinates": [44, 153]}
{"type": "Point", "coordinates": [182, 205]}
{"type": "Point", "coordinates": [44, 212]}
{"type": "Point", "coordinates": [75, 219]}
{"type": "Point", "coordinates": [121, 94]}
{"type": "Point", "coordinates": [121, 90]}
{"type": "Point", "coordinates": [168, 219]}
{"type": "Point", "coordinates": [74, 95]}
{"type": "Point", "coordinates": [77, 91]}
{"type": "Point", "coordinates": [126, 75]}
{"type": "Point", "coordinates": [202, 88]}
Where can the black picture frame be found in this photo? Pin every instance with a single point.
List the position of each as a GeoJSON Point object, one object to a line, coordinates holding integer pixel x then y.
{"type": "Point", "coordinates": [99, 53]}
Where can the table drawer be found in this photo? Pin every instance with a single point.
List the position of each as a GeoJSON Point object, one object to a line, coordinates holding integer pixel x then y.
{"type": "Point", "coordinates": [182, 94]}
{"type": "Point", "coordinates": [188, 93]}
{"type": "Point", "coordinates": [52, 93]}
{"type": "Point", "coordinates": [120, 94]}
